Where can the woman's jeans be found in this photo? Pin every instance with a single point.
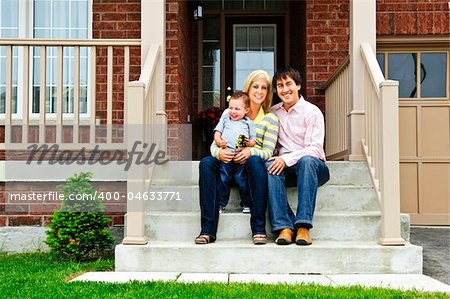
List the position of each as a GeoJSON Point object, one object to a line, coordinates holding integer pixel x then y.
{"type": "Point", "coordinates": [307, 175]}
{"type": "Point", "coordinates": [209, 205]}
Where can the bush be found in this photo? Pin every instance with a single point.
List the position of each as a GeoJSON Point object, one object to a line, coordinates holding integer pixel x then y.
{"type": "Point", "coordinates": [78, 230]}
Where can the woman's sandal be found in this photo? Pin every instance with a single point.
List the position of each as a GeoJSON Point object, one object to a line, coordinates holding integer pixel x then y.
{"type": "Point", "coordinates": [203, 239]}
{"type": "Point", "coordinates": [259, 239]}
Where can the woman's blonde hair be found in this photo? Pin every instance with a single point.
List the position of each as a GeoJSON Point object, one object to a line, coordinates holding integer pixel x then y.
{"type": "Point", "coordinates": [258, 75]}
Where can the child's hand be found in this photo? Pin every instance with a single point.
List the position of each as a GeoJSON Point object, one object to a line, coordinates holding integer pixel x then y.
{"type": "Point", "coordinates": [250, 143]}
{"type": "Point", "coordinates": [222, 143]}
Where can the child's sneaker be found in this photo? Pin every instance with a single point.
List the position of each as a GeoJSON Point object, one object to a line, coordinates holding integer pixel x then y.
{"type": "Point", "coordinates": [222, 210]}
{"type": "Point", "coordinates": [246, 210]}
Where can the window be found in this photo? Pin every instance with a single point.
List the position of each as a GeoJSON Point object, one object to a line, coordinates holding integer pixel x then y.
{"type": "Point", "coordinates": [48, 19]}
{"type": "Point", "coordinates": [421, 74]}
{"type": "Point", "coordinates": [9, 28]}
{"type": "Point", "coordinates": [211, 62]}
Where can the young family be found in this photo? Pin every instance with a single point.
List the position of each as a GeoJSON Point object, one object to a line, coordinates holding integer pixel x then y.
{"type": "Point", "coordinates": [265, 149]}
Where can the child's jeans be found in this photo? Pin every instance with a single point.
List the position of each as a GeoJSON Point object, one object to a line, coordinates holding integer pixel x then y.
{"type": "Point", "coordinates": [230, 172]}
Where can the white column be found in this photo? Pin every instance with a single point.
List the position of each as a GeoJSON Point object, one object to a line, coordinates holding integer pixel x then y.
{"type": "Point", "coordinates": [362, 29]}
{"type": "Point", "coordinates": [153, 26]}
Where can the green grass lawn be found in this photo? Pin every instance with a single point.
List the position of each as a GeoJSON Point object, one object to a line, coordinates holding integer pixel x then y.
{"type": "Point", "coordinates": [33, 275]}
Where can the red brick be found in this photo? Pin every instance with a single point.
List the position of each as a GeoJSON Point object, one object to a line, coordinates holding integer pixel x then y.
{"type": "Point", "coordinates": [128, 25]}
{"type": "Point", "coordinates": [128, 7]}
{"type": "Point", "coordinates": [25, 220]}
{"type": "Point", "coordinates": [3, 221]}
{"type": "Point", "coordinates": [113, 17]}
{"type": "Point", "coordinates": [104, 7]}
{"type": "Point", "coordinates": [172, 7]}
{"type": "Point", "coordinates": [15, 209]}
{"type": "Point", "coordinates": [43, 209]}
{"type": "Point", "coordinates": [105, 26]}
{"type": "Point", "coordinates": [441, 23]}
{"type": "Point", "coordinates": [425, 23]}
{"type": "Point", "coordinates": [118, 220]}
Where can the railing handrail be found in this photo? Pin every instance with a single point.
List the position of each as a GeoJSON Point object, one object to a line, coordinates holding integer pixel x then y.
{"type": "Point", "coordinates": [150, 64]}
{"type": "Point", "coordinates": [336, 73]}
{"type": "Point", "coordinates": [381, 144]}
{"type": "Point", "coordinates": [372, 65]}
{"type": "Point", "coordinates": [68, 42]}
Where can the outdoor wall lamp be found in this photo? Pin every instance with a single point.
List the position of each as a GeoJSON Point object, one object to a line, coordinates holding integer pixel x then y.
{"type": "Point", "coordinates": [198, 10]}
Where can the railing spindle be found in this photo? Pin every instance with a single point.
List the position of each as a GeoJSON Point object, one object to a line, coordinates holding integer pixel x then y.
{"type": "Point", "coordinates": [42, 94]}
{"type": "Point", "coordinates": [93, 81]}
{"type": "Point", "coordinates": [109, 96]}
{"type": "Point", "coordinates": [76, 93]}
{"type": "Point", "coordinates": [59, 94]}
{"type": "Point", "coordinates": [8, 99]}
{"type": "Point", "coordinates": [25, 94]}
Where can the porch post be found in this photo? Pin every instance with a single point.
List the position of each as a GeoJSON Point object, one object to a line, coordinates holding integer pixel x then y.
{"type": "Point", "coordinates": [362, 29]}
{"type": "Point", "coordinates": [153, 32]}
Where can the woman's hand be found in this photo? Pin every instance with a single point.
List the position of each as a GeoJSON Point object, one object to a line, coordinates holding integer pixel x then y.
{"type": "Point", "coordinates": [242, 155]}
{"type": "Point", "coordinates": [226, 155]}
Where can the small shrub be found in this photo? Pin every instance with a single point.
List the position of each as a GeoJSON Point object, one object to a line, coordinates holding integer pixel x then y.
{"type": "Point", "coordinates": [78, 230]}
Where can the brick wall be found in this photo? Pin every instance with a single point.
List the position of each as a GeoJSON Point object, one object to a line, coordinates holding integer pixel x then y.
{"type": "Point", "coordinates": [115, 20]}
{"type": "Point", "coordinates": [327, 38]}
{"type": "Point", "coordinates": [178, 70]}
{"type": "Point", "coordinates": [412, 17]}
{"type": "Point", "coordinates": [38, 213]}
{"type": "Point", "coordinates": [178, 61]}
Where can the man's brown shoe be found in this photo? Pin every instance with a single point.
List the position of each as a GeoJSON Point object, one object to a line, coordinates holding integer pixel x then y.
{"type": "Point", "coordinates": [303, 237]}
{"type": "Point", "coordinates": [285, 237]}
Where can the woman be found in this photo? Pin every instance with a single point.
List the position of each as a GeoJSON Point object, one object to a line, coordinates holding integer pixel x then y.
{"type": "Point", "coordinates": [258, 86]}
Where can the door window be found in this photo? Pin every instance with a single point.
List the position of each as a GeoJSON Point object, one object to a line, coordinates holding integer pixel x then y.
{"type": "Point", "coordinates": [254, 47]}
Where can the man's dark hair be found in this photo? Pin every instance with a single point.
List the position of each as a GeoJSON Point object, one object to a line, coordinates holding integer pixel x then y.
{"type": "Point", "coordinates": [283, 73]}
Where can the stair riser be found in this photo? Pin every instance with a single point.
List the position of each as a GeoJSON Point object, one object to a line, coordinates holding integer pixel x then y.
{"type": "Point", "coordinates": [329, 198]}
{"type": "Point", "coordinates": [186, 173]}
{"type": "Point", "coordinates": [265, 259]}
{"type": "Point", "coordinates": [184, 227]}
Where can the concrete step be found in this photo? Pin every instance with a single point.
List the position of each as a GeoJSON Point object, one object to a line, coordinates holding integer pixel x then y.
{"type": "Point", "coordinates": [324, 257]}
{"type": "Point", "coordinates": [329, 198]}
{"type": "Point", "coordinates": [186, 173]}
{"type": "Point", "coordinates": [330, 226]}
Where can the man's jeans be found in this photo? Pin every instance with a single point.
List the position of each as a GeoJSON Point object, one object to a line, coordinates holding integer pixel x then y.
{"type": "Point", "coordinates": [230, 172]}
{"type": "Point", "coordinates": [257, 181]}
{"type": "Point", "coordinates": [307, 175]}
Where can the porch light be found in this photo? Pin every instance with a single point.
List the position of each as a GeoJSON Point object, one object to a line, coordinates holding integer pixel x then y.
{"type": "Point", "coordinates": [198, 10]}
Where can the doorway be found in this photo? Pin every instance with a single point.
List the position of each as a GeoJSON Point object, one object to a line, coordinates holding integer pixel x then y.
{"type": "Point", "coordinates": [251, 43]}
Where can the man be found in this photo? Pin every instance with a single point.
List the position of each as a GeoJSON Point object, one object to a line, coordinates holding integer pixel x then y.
{"type": "Point", "coordinates": [300, 161]}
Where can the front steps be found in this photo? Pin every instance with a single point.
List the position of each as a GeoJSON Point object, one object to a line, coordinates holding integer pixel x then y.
{"type": "Point", "coordinates": [324, 257]}
{"type": "Point", "coordinates": [346, 228]}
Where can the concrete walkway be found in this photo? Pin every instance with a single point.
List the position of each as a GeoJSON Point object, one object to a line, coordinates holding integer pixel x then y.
{"type": "Point", "coordinates": [394, 281]}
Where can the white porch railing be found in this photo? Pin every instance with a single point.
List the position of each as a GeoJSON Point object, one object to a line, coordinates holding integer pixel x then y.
{"type": "Point", "coordinates": [381, 144]}
{"type": "Point", "coordinates": [147, 123]}
{"type": "Point", "coordinates": [25, 118]}
{"type": "Point", "coordinates": [337, 94]}
{"type": "Point", "coordinates": [381, 138]}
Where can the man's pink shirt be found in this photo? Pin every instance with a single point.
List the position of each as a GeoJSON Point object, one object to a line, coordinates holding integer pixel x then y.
{"type": "Point", "coordinates": [301, 133]}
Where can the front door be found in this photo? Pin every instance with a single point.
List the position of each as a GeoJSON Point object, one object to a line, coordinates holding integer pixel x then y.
{"type": "Point", "coordinates": [251, 43]}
